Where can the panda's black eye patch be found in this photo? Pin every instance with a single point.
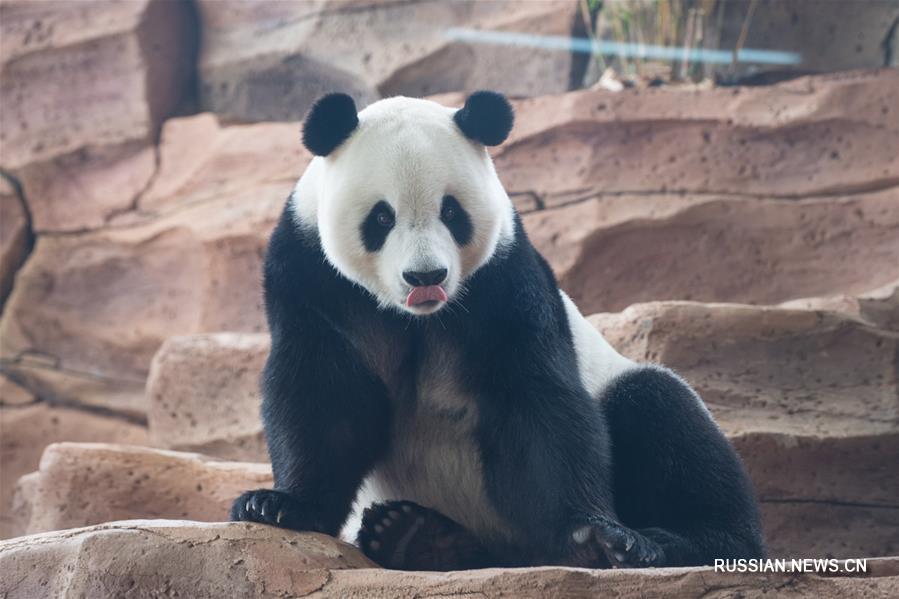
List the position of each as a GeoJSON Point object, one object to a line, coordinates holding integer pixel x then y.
{"type": "Point", "coordinates": [377, 226]}
{"type": "Point", "coordinates": [456, 220]}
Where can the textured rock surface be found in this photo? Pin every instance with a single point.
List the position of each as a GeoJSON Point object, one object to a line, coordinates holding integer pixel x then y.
{"type": "Point", "coordinates": [215, 560]}
{"type": "Point", "coordinates": [145, 558]}
{"type": "Point", "coordinates": [86, 86]}
{"type": "Point", "coordinates": [270, 60]}
{"type": "Point", "coordinates": [13, 394]}
{"type": "Point", "coordinates": [26, 430]}
{"type": "Point", "coordinates": [15, 235]}
{"type": "Point", "coordinates": [825, 495]}
{"type": "Point", "coordinates": [811, 400]}
{"type": "Point", "coordinates": [90, 310]}
{"type": "Point", "coordinates": [203, 395]}
{"type": "Point", "coordinates": [727, 249]}
{"type": "Point", "coordinates": [879, 306]}
{"type": "Point", "coordinates": [816, 135]}
{"type": "Point", "coordinates": [79, 484]}
{"type": "Point", "coordinates": [770, 369]}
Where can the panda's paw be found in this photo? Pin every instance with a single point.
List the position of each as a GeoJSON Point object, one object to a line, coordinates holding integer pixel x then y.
{"type": "Point", "coordinates": [402, 535]}
{"type": "Point", "coordinates": [276, 508]}
{"type": "Point", "coordinates": [625, 547]}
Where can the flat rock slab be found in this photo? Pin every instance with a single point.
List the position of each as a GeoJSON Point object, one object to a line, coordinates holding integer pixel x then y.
{"type": "Point", "coordinates": [79, 484]}
{"type": "Point", "coordinates": [178, 558]}
{"type": "Point", "coordinates": [609, 253]}
{"type": "Point", "coordinates": [820, 135]}
{"type": "Point", "coordinates": [152, 558]}
{"type": "Point", "coordinates": [770, 369]}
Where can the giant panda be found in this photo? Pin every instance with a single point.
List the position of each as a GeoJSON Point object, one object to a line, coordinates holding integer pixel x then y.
{"type": "Point", "coordinates": [426, 365]}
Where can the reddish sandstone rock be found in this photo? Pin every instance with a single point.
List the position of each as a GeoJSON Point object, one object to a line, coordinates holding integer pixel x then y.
{"type": "Point", "coordinates": [200, 160]}
{"type": "Point", "coordinates": [86, 86]}
{"type": "Point", "coordinates": [149, 558]}
{"type": "Point", "coordinates": [26, 430]}
{"type": "Point", "coordinates": [770, 369]}
{"type": "Point", "coordinates": [203, 395]}
{"type": "Point", "coordinates": [879, 306]}
{"type": "Point", "coordinates": [834, 134]}
{"type": "Point", "coordinates": [90, 310]}
{"type": "Point", "coordinates": [13, 394]}
{"type": "Point", "coordinates": [727, 249]}
{"type": "Point", "coordinates": [15, 235]}
{"type": "Point", "coordinates": [79, 484]}
{"type": "Point", "coordinates": [810, 399]}
{"type": "Point", "coordinates": [828, 496]}
{"type": "Point", "coordinates": [270, 60]}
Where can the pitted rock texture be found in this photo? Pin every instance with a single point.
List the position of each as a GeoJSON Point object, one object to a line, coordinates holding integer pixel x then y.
{"type": "Point", "coordinates": [142, 558]}
{"type": "Point", "coordinates": [270, 60]}
{"type": "Point", "coordinates": [152, 558]}
{"type": "Point", "coordinates": [879, 307]}
{"type": "Point", "coordinates": [726, 249]}
{"type": "Point", "coordinates": [86, 87]}
{"type": "Point", "coordinates": [26, 430]}
{"type": "Point", "coordinates": [770, 369]}
{"type": "Point", "coordinates": [809, 398]}
{"type": "Point", "coordinates": [78, 484]}
{"type": "Point", "coordinates": [827, 496]}
{"type": "Point", "coordinates": [203, 394]}
{"type": "Point", "coordinates": [825, 135]}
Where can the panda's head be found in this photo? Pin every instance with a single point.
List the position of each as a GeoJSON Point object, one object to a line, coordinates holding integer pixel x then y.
{"type": "Point", "coordinates": [404, 195]}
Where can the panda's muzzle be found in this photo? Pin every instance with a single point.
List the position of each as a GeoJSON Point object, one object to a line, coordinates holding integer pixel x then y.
{"type": "Point", "coordinates": [425, 279]}
{"type": "Point", "coordinates": [426, 287]}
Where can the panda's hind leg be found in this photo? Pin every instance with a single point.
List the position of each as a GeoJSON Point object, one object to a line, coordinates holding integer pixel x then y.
{"type": "Point", "coordinates": [678, 481]}
{"type": "Point", "coordinates": [402, 535]}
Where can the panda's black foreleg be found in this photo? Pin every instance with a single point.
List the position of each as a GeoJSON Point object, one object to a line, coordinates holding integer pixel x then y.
{"type": "Point", "coordinates": [402, 535]}
{"type": "Point", "coordinates": [326, 420]}
{"type": "Point", "coordinates": [681, 492]}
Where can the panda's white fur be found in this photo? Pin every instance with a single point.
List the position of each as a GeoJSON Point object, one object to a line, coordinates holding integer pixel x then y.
{"type": "Point", "coordinates": [409, 153]}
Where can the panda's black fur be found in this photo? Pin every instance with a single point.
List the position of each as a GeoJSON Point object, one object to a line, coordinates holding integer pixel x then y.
{"type": "Point", "coordinates": [645, 469]}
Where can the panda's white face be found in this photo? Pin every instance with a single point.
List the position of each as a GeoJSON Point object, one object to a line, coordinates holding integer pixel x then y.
{"type": "Point", "coordinates": [407, 207]}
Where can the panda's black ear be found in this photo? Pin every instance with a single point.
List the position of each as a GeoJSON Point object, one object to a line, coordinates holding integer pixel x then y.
{"type": "Point", "coordinates": [486, 117]}
{"type": "Point", "coordinates": [329, 123]}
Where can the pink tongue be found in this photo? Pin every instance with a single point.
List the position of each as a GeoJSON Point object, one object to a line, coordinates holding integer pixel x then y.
{"type": "Point", "coordinates": [420, 295]}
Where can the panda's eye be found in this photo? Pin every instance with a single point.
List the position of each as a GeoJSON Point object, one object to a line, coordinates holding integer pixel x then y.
{"type": "Point", "coordinates": [385, 218]}
{"type": "Point", "coordinates": [456, 219]}
{"type": "Point", "coordinates": [377, 226]}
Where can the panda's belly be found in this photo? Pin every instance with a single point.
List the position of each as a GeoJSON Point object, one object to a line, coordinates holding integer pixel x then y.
{"type": "Point", "coordinates": [434, 458]}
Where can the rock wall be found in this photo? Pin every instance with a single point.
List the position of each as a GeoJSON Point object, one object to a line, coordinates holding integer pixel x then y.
{"type": "Point", "coordinates": [747, 237]}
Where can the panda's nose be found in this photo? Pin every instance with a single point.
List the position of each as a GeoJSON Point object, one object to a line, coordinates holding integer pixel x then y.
{"type": "Point", "coordinates": [423, 279]}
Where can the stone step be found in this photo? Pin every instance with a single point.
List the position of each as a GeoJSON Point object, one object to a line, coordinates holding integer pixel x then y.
{"type": "Point", "coordinates": [188, 559]}
{"type": "Point", "coordinates": [79, 484]}
{"type": "Point", "coordinates": [770, 368]}
{"type": "Point", "coordinates": [823, 497]}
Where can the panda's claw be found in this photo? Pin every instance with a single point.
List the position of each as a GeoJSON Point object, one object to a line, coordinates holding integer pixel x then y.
{"type": "Point", "coordinates": [625, 547]}
{"type": "Point", "coordinates": [276, 508]}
